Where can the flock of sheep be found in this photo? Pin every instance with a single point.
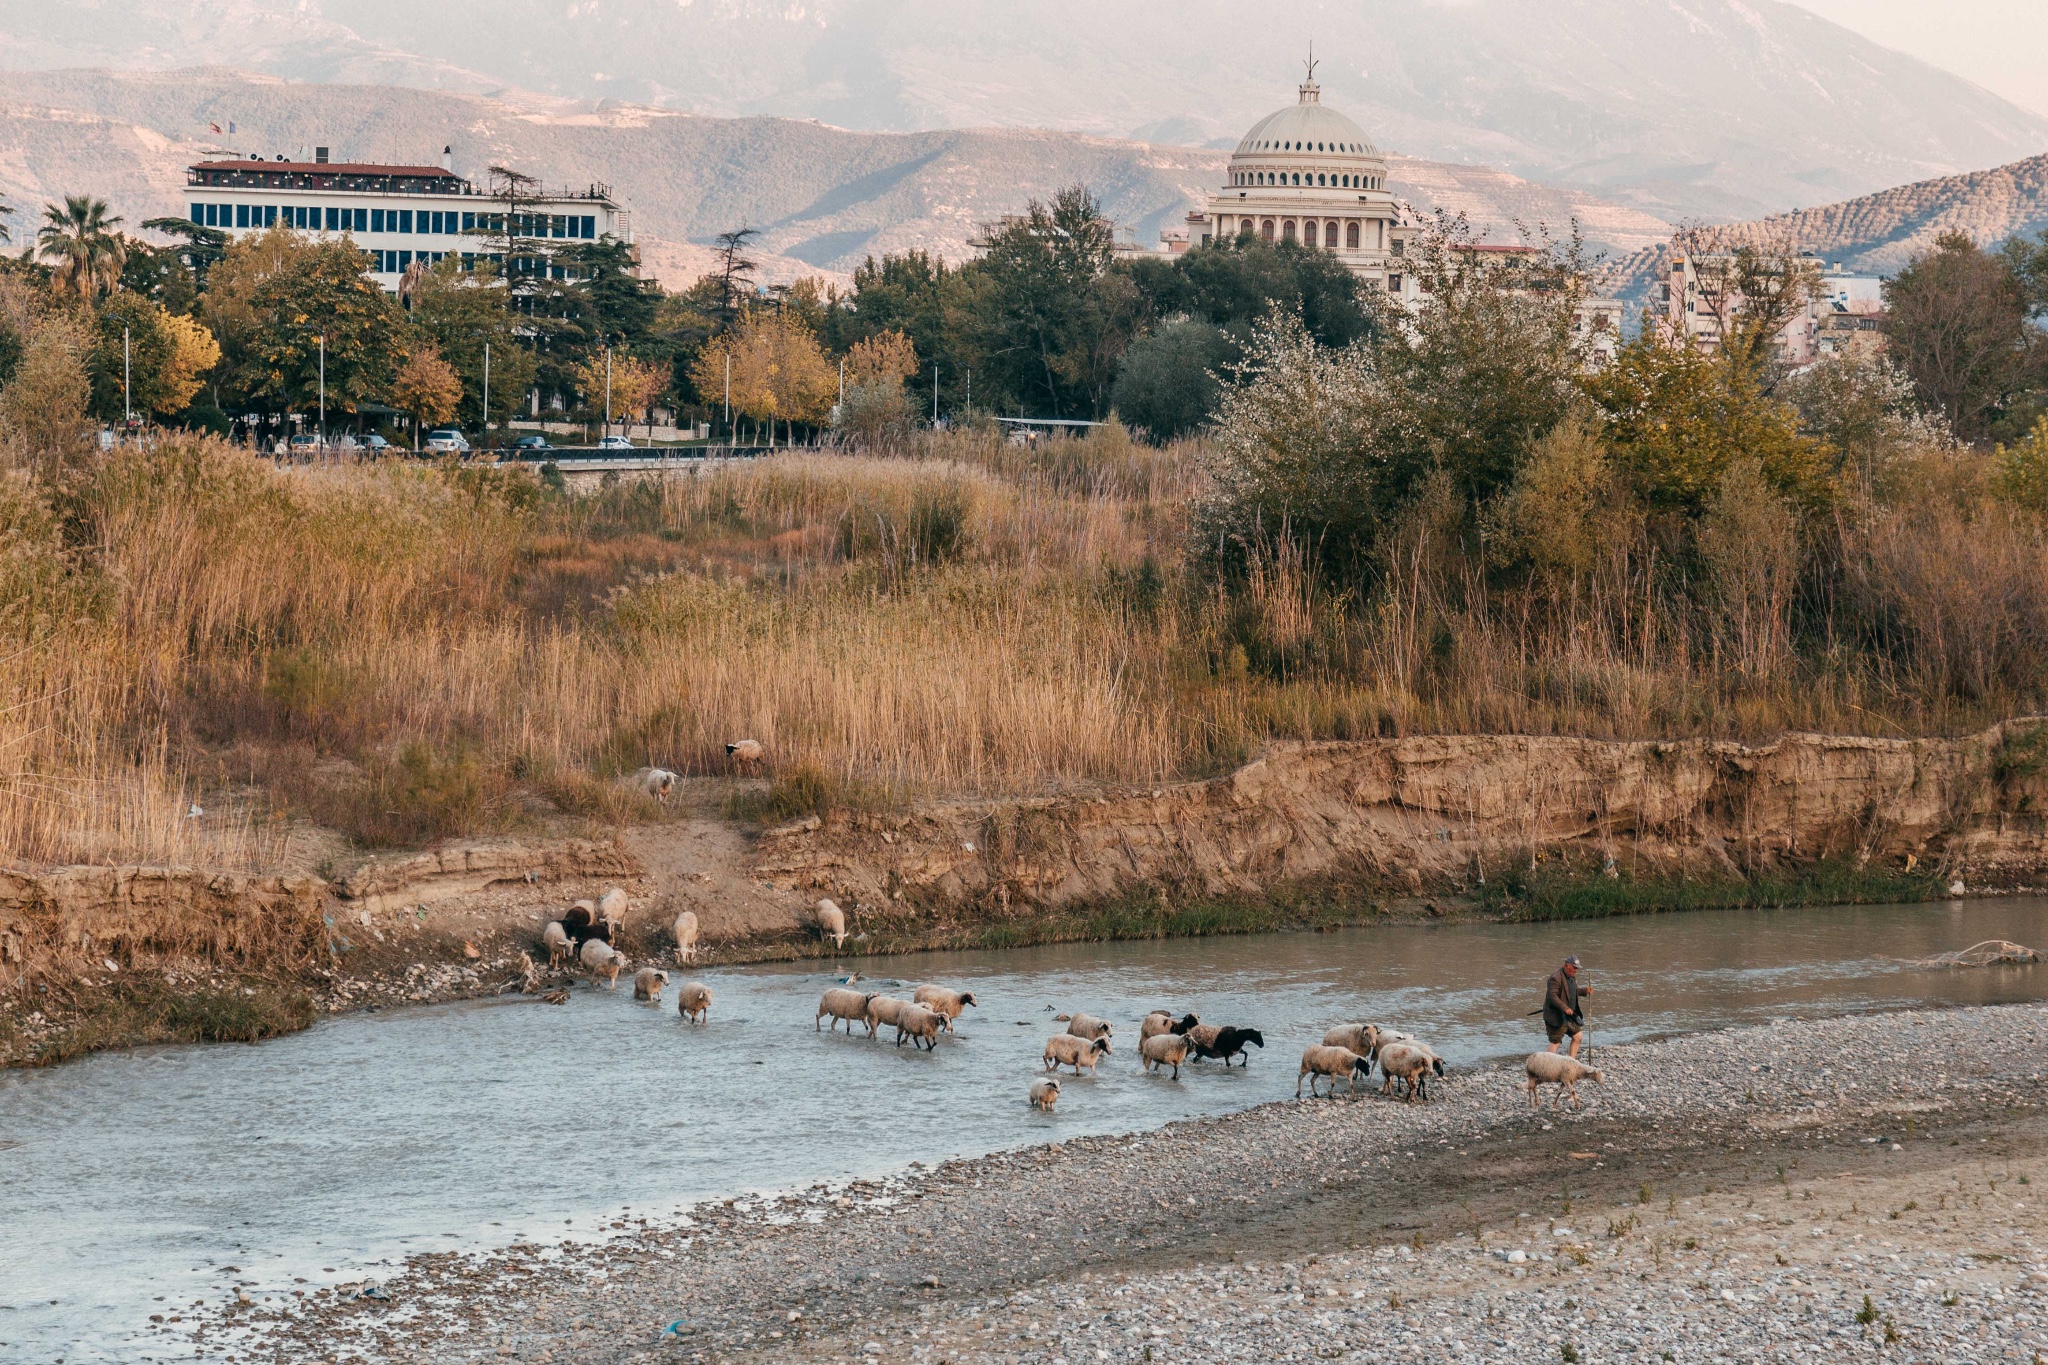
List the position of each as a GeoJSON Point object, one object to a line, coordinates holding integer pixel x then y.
{"type": "Point", "coordinates": [1348, 1051]}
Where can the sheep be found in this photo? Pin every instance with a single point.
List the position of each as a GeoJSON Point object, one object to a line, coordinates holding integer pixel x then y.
{"type": "Point", "coordinates": [1045, 1093]}
{"type": "Point", "coordinates": [1163, 1049]}
{"type": "Point", "coordinates": [1363, 1039]}
{"type": "Point", "coordinates": [831, 922]}
{"type": "Point", "coordinates": [651, 782]}
{"type": "Point", "coordinates": [1331, 1061]}
{"type": "Point", "coordinates": [843, 1004]}
{"type": "Point", "coordinates": [579, 922]}
{"type": "Point", "coordinates": [886, 1009]}
{"type": "Point", "coordinates": [611, 911]}
{"type": "Point", "coordinates": [1160, 1021]}
{"type": "Point", "coordinates": [1411, 1063]}
{"type": "Point", "coordinates": [1064, 1049]}
{"type": "Point", "coordinates": [556, 939]}
{"type": "Point", "coordinates": [918, 1023]}
{"type": "Point", "coordinates": [944, 1003]}
{"type": "Point", "coordinates": [693, 1001]}
{"type": "Point", "coordinates": [686, 936]}
{"type": "Point", "coordinates": [1554, 1068]}
{"type": "Point", "coordinates": [648, 983]}
{"type": "Point", "coordinates": [1084, 1025]}
{"type": "Point", "coordinates": [598, 956]}
{"type": "Point", "coordinates": [745, 753]}
{"type": "Point", "coordinates": [1209, 1040]}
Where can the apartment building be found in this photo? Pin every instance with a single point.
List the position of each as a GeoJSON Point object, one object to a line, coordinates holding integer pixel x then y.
{"type": "Point", "coordinates": [1843, 316]}
{"type": "Point", "coordinates": [400, 214]}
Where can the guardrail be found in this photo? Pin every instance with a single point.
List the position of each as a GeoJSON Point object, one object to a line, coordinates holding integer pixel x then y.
{"type": "Point", "coordinates": [577, 455]}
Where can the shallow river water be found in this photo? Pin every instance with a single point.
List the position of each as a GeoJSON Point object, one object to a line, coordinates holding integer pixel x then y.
{"type": "Point", "coordinates": [131, 1183]}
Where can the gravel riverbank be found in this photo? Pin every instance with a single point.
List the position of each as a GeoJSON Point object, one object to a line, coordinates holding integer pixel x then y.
{"type": "Point", "coordinates": [1737, 1195]}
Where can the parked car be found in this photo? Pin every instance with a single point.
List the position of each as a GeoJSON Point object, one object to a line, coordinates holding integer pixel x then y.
{"type": "Point", "coordinates": [614, 443]}
{"type": "Point", "coordinates": [372, 441]}
{"type": "Point", "coordinates": [447, 439]}
{"type": "Point", "coordinates": [305, 445]}
{"type": "Point", "coordinates": [533, 443]}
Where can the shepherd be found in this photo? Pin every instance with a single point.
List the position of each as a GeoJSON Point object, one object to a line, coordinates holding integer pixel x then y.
{"type": "Point", "coordinates": [1561, 1012]}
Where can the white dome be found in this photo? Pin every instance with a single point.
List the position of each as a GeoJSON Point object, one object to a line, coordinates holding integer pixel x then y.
{"type": "Point", "coordinates": [1308, 128]}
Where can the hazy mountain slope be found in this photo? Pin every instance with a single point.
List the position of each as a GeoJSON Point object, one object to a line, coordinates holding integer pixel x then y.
{"type": "Point", "coordinates": [1881, 232]}
{"type": "Point", "coordinates": [825, 197]}
{"type": "Point", "coordinates": [1725, 108]}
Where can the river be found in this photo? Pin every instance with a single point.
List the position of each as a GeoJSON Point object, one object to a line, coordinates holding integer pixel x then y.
{"type": "Point", "coordinates": [141, 1182]}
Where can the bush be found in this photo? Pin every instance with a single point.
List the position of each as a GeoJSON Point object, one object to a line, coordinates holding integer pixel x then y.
{"type": "Point", "coordinates": [1167, 386]}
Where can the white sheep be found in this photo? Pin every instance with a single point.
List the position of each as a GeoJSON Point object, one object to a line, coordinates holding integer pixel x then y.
{"type": "Point", "coordinates": [745, 753]}
{"type": "Point", "coordinates": [611, 909]}
{"type": "Point", "coordinates": [686, 936]}
{"type": "Point", "coordinates": [839, 1004]}
{"type": "Point", "coordinates": [1411, 1064]}
{"type": "Point", "coordinates": [831, 922]}
{"type": "Point", "coordinates": [693, 1000]}
{"type": "Point", "coordinates": [648, 983]}
{"type": "Point", "coordinates": [556, 939]}
{"type": "Point", "coordinates": [1363, 1039]}
{"type": "Point", "coordinates": [947, 1004]}
{"type": "Point", "coordinates": [1045, 1093]}
{"type": "Point", "coordinates": [1163, 1049]}
{"type": "Point", "coordinates": [652, 782]}
{"type": "Point", "coordinates": [1331, 1060]}
{"type": "Point", "coordinates": [1162, 1021]}
{"type": "Point", "coordinates": [1064, 1049]}
{"type": "Point", "coordinates": [602, 960]}
{"type": "Point", "coordinates": [918, 1023]}
{"type": "Point", "coordinates": [884, 1009]}
{"type": "Point", "coordinates": [1084, 1025]}
{"type": "Point", "coordinates": [1554, 1068]}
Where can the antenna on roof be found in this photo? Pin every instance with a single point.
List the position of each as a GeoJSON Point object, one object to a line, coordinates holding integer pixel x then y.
{"type": "Point", "coordinates": [1311, 93]}
{"type": "Point", "coordinates": [1311, 61]}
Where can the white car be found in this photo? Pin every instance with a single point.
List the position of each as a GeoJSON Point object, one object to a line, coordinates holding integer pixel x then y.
{"type": "Point", "coordinates": [447, 438]}
{"type": "Point", "coordinates": [614, 443]}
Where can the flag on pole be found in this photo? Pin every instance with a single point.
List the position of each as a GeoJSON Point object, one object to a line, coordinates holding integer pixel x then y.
{"type": "Point", "coordinates": [215, 127]}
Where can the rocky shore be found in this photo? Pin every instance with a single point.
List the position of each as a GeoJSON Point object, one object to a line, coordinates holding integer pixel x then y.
{"type": "Point", "coordinates": [1859, 1187]}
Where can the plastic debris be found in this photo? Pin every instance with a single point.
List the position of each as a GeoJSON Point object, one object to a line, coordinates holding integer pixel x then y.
{"type": "Point", "coordinates": [675, 1329]}
{"type": "Point", "coordinates": [1990, 953]}
{"type": "Point", "coordinates": [376, 1292]}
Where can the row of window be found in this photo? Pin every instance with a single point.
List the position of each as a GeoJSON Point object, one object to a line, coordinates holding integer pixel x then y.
{"type": "Point", "coordinates": [1312, 233]}
{"type": "Point", "coordinates": [1308, 178]}
{"type": "Point", "coordinates": [1308, 147]}
{"type": "Point", "coordinates": [397, 262]}
{"type": "Point", "coordinates": [433, 223]}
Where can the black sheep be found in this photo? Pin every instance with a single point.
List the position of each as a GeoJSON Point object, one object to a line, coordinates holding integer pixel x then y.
{"type": "Point", "coordinates": [581, 926]}
{"type": "Point", "coordinates": [1225, 1042]}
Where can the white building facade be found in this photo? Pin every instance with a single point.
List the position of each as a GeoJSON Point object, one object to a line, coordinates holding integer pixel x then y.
{"type": "Point", "coordinates": [398, 214]}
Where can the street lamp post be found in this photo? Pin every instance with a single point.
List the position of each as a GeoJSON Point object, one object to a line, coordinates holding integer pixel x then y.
{"type": "Point", "coordinates": [127, 409]}
{"type": "Point", "coordinates": [607, 390]}
{"type": "Point", "coordinates": [728, 397]}
{"type": "Point", "coordinates": [323, 392]}
{"type": "Point", "coordinates": [487, 394]}
{"type": "Point", "coordinates": [935, 398]}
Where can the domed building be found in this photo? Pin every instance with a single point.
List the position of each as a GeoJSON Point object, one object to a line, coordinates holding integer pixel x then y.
{"type": "Point", "coordinates": [1308, 174]}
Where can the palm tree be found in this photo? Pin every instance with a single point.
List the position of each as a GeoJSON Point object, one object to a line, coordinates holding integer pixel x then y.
{"type": "Point", "coordinates": [79, 242]}
{"type": "Point", "coordinates": [6, 233]}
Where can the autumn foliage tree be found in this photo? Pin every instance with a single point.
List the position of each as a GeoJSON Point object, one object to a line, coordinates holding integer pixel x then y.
{"type": "Point", "coordinates": [779, 372]}
{"type": "Point", "coordinates": [427, 388]}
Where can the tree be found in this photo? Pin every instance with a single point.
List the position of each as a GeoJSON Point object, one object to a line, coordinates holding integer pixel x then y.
{"type": "Point", "coordinates": [460, 312]}
{"type": "Point", "coordinates": [43, 405]}
{"type": "Point", "coordinates": [426, 388]}
{"type": "Point", "coordinates": [735, 273]}
{"type": "Point", "coordinates": [132, 341]}
{"type": "Point", "coordinates": [283, 297]}
{"type": "Point", "coordinates": [779, 372]}
{"type": "Point", "coordinates": [885, 358]}
{"type": "Point", "coordinates": [523, 250]}
{"type": "Point", "coordinates": [1957, 322]}
{"type": "Point", "coordinates": [80, 243]}
{"type": "Point", "coordinates": [633, 384]}
{"type": "Point", "coordinates": [875, 411]}
{"type": "Point", "coordinates": [194, 354]}
{"type": "Point", "coordinates": [1752, 291]}
{"type": "Point", "coordinates": [1168, 382]}
{"type": "Point", "coordinates": [201, 248]}
{"type": "Point", "coordinates": [1233, 283]}
{"type": "Point", "coordinates": [1056, 320]}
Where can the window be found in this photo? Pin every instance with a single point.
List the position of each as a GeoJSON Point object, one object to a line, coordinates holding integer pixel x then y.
{"type": "Point", "coordinates": [333, 219]}
{"type": "Point", "coordinates": [590, 227]}
{"type": "Point", "coordinates": [376, 220]}
{"type": "Point", "coordinates": [1308, 234]}
{"type": "Point", "coordinates": [1287, 230]}
{"type": "Point", "coordinates": [1351, 236]}
{"type": "Point", "coordinates": [241, 215]}
{"type": "Point", "coordinates": [1393, 284]}
{"type": "Point", "coordinates": [1266, 229]}
{"type": "Point", "coordinates": [405, 223]}
{"type": "Point", "coordinates": [469, 222]}
{"type": "Point", "coordinates": [199, 214]}
{"type": "Point", "coordinates": [1322, 180]}
{"type": "Point", "coordinates": [1400, 246]}
{"type": "Point", "coordinates": [405, 257]}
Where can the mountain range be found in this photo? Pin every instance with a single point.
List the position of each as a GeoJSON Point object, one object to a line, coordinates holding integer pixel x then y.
{"type": "Point", "coordinates": [823, 197]}
{"type": "Point", "coordinates": [1711, 109]}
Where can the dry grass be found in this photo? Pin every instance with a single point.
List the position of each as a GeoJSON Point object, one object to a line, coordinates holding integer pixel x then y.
{"type": "Point", "coordinates": [406, 652]}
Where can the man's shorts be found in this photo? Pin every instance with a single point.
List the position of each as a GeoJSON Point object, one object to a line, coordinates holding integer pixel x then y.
{"type": "Point", "coordinates": [1561, 1028]}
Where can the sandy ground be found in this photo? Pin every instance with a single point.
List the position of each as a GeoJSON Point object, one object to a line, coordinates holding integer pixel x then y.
{"type": "Point", "coordinates": [1722, 1196]}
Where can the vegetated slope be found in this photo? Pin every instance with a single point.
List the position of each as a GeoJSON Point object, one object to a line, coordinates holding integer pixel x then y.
{"type": "Point", "coordinates": [1881, 232]}
{"type": "Point", "coordinates": [1716, 108]}
{"type": "Point", "coordinates": [824, 197]}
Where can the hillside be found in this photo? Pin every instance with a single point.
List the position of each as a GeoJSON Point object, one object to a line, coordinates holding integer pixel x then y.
{"type": "Point", "coordinates": [824, 197]}
{"type": "Point", "coordinates": [1723, 109]}
{"type": "Point", "coordinates": [1881, 232]}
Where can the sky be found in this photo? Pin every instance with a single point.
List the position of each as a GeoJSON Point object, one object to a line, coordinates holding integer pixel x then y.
{"type": "Point", "coordinates": [1999, 44]}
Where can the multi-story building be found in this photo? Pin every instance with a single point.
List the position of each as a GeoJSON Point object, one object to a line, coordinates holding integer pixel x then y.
{"type": "Point", "coordinates": [1844, 314]}
{"type": "Point", "coordinates": [399, 214]}
{"type": "Point", "coordinates": [1309, 175]}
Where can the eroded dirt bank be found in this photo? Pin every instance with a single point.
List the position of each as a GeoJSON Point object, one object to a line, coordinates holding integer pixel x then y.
{"type": "Point", "coordinates": [1346, 830]}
